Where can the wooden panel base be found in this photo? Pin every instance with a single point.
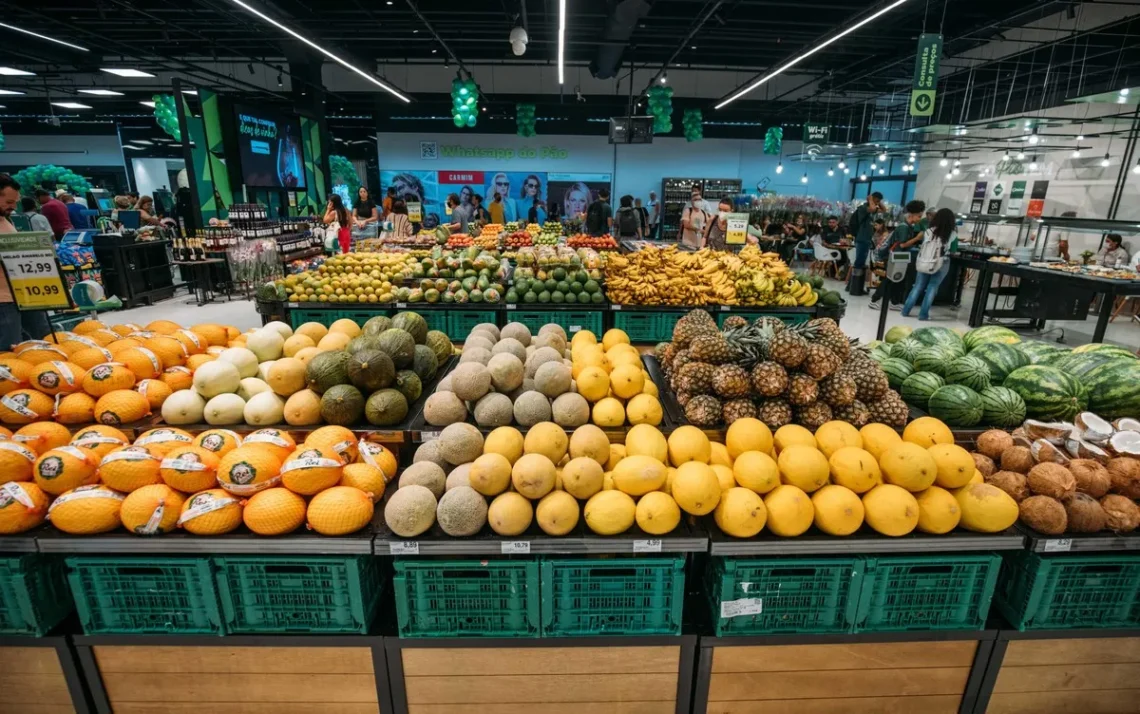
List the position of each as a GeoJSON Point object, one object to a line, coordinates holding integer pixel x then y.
{"type": "Point", "coordinates": [1092, 676]}
{"type": "Point", "coordinates": [871, 678]}
{"type": "Point", "coordinates": [32, 682]}
{"type": "Point", "coordinates": [238, 680]}
{"type": "Point", "coordinates": [541, 680]}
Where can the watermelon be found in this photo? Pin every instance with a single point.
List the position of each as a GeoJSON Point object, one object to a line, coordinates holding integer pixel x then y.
{"type": "Point", "coordinates": [1000, 358]}
{"type": "Point", "coordinates": [957, 405]}
{"type": "Point", "coordinates": [970, 371]}
{"type": "Point", "coordinates": [1113, 389]}
{"type": "Point", "coordinates": [880, 352]}
{"type": "Point", "coordinates": [936, 336]}
{"type": "Point", "coordinates": [1102, 348]}
{"type": "Point", "coordinates": [897, 370]}
{"type": "Point", "coordinates": [905, 349]}
{"type": "Point", "coordinates": [1002, 407]}
{"type": "Point", "coordinates": [1042, 352]}
{"type": "Point", "coordinates": [895, 334]}
{"type": "Point", "coordinates": [932, 359]}
{"type": "Point", "coordinates": [1049, 393]}
{"type": "Point", "coordinates": [1079, 364]}
{"type": "Point", "coordinates": [917, 388]}
{"type": "Point", "coordinates": [990, 333]}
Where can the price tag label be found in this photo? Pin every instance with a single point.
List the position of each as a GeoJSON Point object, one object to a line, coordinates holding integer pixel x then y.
{"type": "Point", "coordinates": [294, 304]}
{"type": "Point", "coordinates": [512, 307]}
{"type": "Point", "coordinates": [575, 328]}
{"type": "Point", "coordinates": [1058, 545]}
{"type": "Point", "coordinates": [515, 547]}
{"type": "Point", "coordinates": [401, 305]}
{"type": "Point", "coordinates": [615, 308]}
{"type": "Point", "coordinates": [647, 546]}
{"type": "Point", "coordinates": [725, 308]}
{"type": "Point", "coordinates": [29, 260]}
{"type": "Point", "coordinates": [429, 435]}
{"type": "Point", "coordinates": [405, 547]}
{"type": "Point", "coordinates": [741, 607]}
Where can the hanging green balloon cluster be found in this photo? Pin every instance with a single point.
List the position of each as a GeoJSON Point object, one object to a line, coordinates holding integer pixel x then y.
{"type": "Point", "coordinates": [693, 124]}
{"type": "Point", "coordinates": [524, 119]}
{"type": "Point", "coordinates": [774, 141]}
{"type": "Point", "coordinates": [661, 108]}
{"type": "Point", "coordinates": [344, 174]}
{"type": "Point", "coordinates": [50, 176]}
{"type": "Point", "coordinates": [464, 102]}
{"type": "Point", "coordinates": [166, 113]}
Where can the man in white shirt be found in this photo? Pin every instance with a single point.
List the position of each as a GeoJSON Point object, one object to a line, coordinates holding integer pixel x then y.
{"type": "Point", "coordinates": [654, 215]}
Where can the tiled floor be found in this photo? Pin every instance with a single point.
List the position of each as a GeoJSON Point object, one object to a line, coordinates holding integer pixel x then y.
{"type": "Point", "coordinates": [860, 321]}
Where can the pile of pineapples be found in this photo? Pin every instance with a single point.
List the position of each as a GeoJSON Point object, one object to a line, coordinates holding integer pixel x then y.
{"type": "Point", "coordinates": [781, 374]}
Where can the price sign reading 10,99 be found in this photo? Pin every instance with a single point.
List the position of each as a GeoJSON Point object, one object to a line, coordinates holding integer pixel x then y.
{"type": "Point", "coordinates": [29, 261]}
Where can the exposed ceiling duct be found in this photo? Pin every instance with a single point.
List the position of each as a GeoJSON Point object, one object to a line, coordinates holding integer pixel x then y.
{"type": "Point", "coordinates": [619, 27]}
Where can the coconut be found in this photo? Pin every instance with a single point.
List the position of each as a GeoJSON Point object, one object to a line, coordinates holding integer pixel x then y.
{"type": "Point", "coordinates": [1052, 480]}
{"type": "Point", "coordinates": [1013, 483]}
{"type": "Point", "coordinates": [1055, 431]}
{"type": "Point", "coordinates": [1092, 477]}
{"type": "Point", "coordinates": [1044, 515]}
{"type": "Point", "coordinates": [1122, 513]}
{"type": "Point", "coordinates": [1125, 473]}
{"type": "Point", "coordinates": [1080, 449]}
{"type": "Point", "coordinates": [994, 443]}
{"type": "Point", "coordinates": [1127, 424]}
{"type": "Point", "coordinates": [1092, 428]}
{"type": "Point", "coordinates": [1044, 451]}
{"type": "Point", "coordinates": [983, 463]}
{"type": "Point", "coordinates": [1085, 514]}
{"type": "Point", "coordinates": [1125, 443]}
{"type": "Point", "coordinates": [1017, 458]}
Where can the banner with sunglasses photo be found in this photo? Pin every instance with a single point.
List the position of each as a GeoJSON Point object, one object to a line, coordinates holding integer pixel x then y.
{"type": "Point", "coordinates": [519, 190]}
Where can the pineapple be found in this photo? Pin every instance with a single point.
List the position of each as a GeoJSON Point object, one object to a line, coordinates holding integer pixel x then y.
{"type": "Point", "coordinates": [665, 358]}
{"type": "Point", "coordinates": [680, 359]}
{"type": "Point", "coordinates": [838, 390]}
{"type": "Point", "coordinates": [890, 410]}
{"type": "Point", "coordinates": [820, 361]}
{"type": "Point", "coordinates": [696, 378]}
{"type": "Point", "coordinates": [683, 398]}
{"type": "Point", "coordinates": [696, 322]}
{"type": "Point", "coordinates": [788, 349]}
{"type": "Point", "coordinates": [870, 380]}
{"type": "Point", "coordinates": [712, 348]}
{"type": "Point", "coordinates": [855, 414]}
{"type": "Point", "coordinates": [773, 322]}
{"type": "Point", "coordinates": [735, 321]}
{"type": "Point", "coordinates": [825, 326]}
{"type": "Point", "coordinates": [738, 409]}
{"type": "Point", "coordinates": [769, 379]}
{"type": "Point", "coordinates": [661, 349]}
{"type": "Point", "coordinates": [802, 390]}
{"type": "Point", "coordinates": [813, 416]}
{"type": "Point", "coordinates": [839, 344]}
{"type": "Point", "coordinates": [703, 410]}
{"type": "Point", "coordinates": [775, 413]}
{"type": "Point", "coordinates": [731, 382]}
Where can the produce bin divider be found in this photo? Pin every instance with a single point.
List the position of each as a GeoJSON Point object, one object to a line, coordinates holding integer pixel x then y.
{"type": "Point", "coordinates": [864, 541]}
{"type": "Point", "coordinates": [34, 594]}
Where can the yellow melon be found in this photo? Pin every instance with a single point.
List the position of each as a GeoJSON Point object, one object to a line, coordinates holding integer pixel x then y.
{"type": "Point", "coordinates": [510, 514]}
{"type": "Point", "coordinates": [557, 513]}
{"type": "Point", "coordinates": [286, 376]}
{"type": "Point", "coordinates": [878, 439]}
{"type": "Point", "coordinates": [688, 443]}
{"type": "Point", "coordinates": [927, 431]}
{"type": "Point", "coordinates": [100, 438]}
{"type": "Point", "coordinates": [190, 469]}
{"type": "Point", "coordinates": [838, 510]}
{"type": "Point", "coordinates": [790, 511]}
{"type": "Point", "coordinates": [143, 363]}
{"type": "Point", "coordinates": [909, 465]}
{"type": "Point", "coordinates": [211, 512]}
{"type": "Point", "coordinates": [740, 513]}
{"type": "Point", "coordinates": [793, 435]}
{"type": "Point", "coordinates": [218, 442]}
{"type": "Point", "coordinates": [275, 511]}
{"type": "Point", "coordinates": [638, 474]}
{"type": "Point", "coordinates": [129, 468]}
{"type": "Point", "coordinates": [311, 469]}
{"type": "Point", "coordinates": [724, 477]}
{"type": "Point", "coordinates": [890, 510]}
{"type": "Point", "coordinates": [338, 438]}
{"type": "Point", "coordinates": [938, 511]}
{"type": "Point", "coordinates": [249, 469]}
{"type": "Point", "coordinates": [803, 467]}
{"type": "Point", "coordinates": [14, 374]}
{"type": "Point", "coordinates": [756, 471]}
{"type": "Point", "coordinates": [379, 456]}
{"type": "Point", "coordinates": [23, 506]}
{"type": "Point", "coordinates": [548, 439]}
{"type": "Point", "coordinates": [163, 439]}
{"type": "Point", "coordinates": [64, 468]}
{"type": "Point", "coordinates": [608, 412]}
{"type": "Point", "coordinates": [16, 462]}
{"type": "Point", "coordinates": [151, 510]}
{"type": "Point", "coordinates": [121, 406]}
{"type": "Point", "coordinates": [56, 377]}
{"type": "Point", "coordinates": [107, 377]}
{"type": "Point", "coordinates": [276, 441]}
{"type": "Point", "coordinates": [364, 477]}
{"type": "Point", "coordinates": [718, 454]}
{"type": "Point", "coordinates": [747, 434]}
{"type": "Point", "coordinates": [835, 435]}
{"type": "Point", "coordinates": [695, 488]}
{"type": "Point", "coordinates": [646, 440]}
{"type": "Point", "coordinates": [657, 513]}
{"type": "Point", "coordinates": [955, 465]}
{"type": "Point", "coordinates": [178, 378]}
{"type": "Point", "coordinates": [86, 510]}
{"type": "Point", "coordinates": [608, 512]}
{"type": "Point", "coordinates": [855, 469]}
{"type": "Point", "coordinates": [41, 436]}
{"type": "Point", "coordinates": [78, 408]}
{"type": "Point", "coordinates": [644, 409]}
{"type": "Point", "coordinates": [986, 508]}
{"type": "Point", "coordinates": [582, 477]}
{"type": "Point", "coordinates": [24, 406]}
{"type": "Point", "coordinates": [532, 475]}
{"type": "Point", "coordinates": [507, 441]}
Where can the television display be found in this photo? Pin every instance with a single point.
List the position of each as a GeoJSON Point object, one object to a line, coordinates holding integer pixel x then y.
{"type": "Point", "coordinates": [269, 145]}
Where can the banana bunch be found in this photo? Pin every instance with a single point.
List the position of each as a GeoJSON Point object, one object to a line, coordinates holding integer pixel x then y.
{"type": "Point", "coordinates": [656, 276]}
{"type": "Point", "coordinates": [800, 293]}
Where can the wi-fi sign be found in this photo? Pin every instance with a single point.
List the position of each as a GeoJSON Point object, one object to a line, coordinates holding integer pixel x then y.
{"type": "Point", "coordinates": [814, 150]}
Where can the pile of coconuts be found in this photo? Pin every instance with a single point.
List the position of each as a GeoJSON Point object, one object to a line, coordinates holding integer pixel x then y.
{"type": "Point", "coordinates": [1080, 477]}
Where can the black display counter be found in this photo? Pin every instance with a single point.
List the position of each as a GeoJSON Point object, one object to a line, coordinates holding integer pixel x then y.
{"type": "Point", "coordinates": [138, 272]}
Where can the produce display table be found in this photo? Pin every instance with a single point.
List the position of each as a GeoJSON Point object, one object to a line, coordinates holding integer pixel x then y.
{"type": "Point", "coordinates": [815, 542]}
{"type": "Point", "coordinates": [928, 672]}
{"type": "Point", "coordinates": [40, 676]}
{"type": "Point", "coordinates": [615, 675]}
{"type": "Point", "coordinates": [1061, 296]}
{"type": "Point", "coordinates": [161, 674]}
{"type": "Point", "coordinates": [1103, 542]}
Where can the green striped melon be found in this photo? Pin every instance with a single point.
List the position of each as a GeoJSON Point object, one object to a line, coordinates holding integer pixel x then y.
{"type": "Point", "coordinates": [1103, 348]}
{"type": "Point", "coordinates": [1000, 358]}
{"type": "Point", "coordinates": [990, 333]}
{"type": "Point", "coordinates": [897, 333]}
{"type": "Point", "coordinates": [905, 349]}
{"type": "Point", "coordinates": [957, 405]}
{"type": "Point", "coordinates": [897, 370]}
{"type": "Point", "coordinates": [1002, 407]}
{"type": "Point", "coordinates": [970, 371]}
{"type": "Point", "coordinates": [936, 336]}
{"type": "Point", "coordinates": [1079, 364]}
{"type": "Point", "coordinates": [918, 387]}
{"type": "Point", "coordinates": [1043, 352]}
{"type": "Point", "coordinates": [933, 359]}
{"type": "Point", "coordinates": [880, 352]}
{"type": "Point", "coordinates": [1114, 389]}
{"type": "Point", "coordinates": [1049, 393]}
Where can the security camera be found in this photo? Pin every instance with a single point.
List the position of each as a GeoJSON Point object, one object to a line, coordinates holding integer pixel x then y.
{"type": "Point", "coordinates": [518, 41]}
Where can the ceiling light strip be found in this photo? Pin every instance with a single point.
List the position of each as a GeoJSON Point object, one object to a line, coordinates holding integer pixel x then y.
{"type": "Point", "coordinates": [561, 40]}
{"type": "Point", "coordinates": [43, 37]}
{"type": "Point", "coordinates": [383, 85]}
{"type": "Point", "coordinates": [810, 52]}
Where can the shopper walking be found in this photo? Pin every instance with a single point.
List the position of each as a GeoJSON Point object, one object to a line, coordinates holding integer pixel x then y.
{"type": "Point", "coordinates": [398, 217]}
{"type": "Point", "coordinates": [628, 220]}
{"type": "Point", "coordinates": [932, 263]}
{"type": "Point", "coordinates": [715, 237]}
{"type": "Point", "coordinates": [642, 217]}
{"type": "Point", "coordinates": [600, 215]}
{"type": "Point", "coordinates": [79, 220]}
{"type": "Point", "coordinates": [862, 225]}
{"type": "Point", "coordinates": [904, 237]}
{"type": "Point", "coordinates": [654, 215]}
{"type": "Point", "coordinates": [364, 213]}
{"type": "Point", "coordinates": [31, 212]}
{"type": "Point", "coordinates": [387, 202]}
{"type": "Point", "coordinates": [337, 219]}
{"type": "Point", "coordinates": [537, 213]}
{"type": "Point", "coordinates": [694, 220]}
{"type": "Point", "coordinates": [459, 215]}
{"type": "Point", "coordinates": [56, 213]}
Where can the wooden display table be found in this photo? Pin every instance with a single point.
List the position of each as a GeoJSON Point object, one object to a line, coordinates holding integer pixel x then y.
{"type": "Point", "coordinates": [39, 676]}
{"type": "Point", "coordinates": [615, 675]}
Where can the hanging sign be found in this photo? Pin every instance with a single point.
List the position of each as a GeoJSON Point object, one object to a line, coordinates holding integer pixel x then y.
{"type": "Point", "coordinates": [736, 232]}
{"type": "Point", "coordinates": [925, 75]}
{"type": "Point", "coordinates": [1016, 196]}
{"type": "Point", "coordinates": [415, 212]}
{"type": "Point", "coordinates": [816, 133]}
{"type": "Point", "coordinates": [979, 197]}
{"type": "Point", "coordinates": [994, 207]}
{"type": "Point", "coordinates": [29, 261]}
{"type": "Point", "coordinates": [1037, 199]}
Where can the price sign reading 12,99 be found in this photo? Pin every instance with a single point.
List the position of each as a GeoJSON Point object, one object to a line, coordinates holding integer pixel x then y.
{"type": "Point", "coordinates": [33, 273]}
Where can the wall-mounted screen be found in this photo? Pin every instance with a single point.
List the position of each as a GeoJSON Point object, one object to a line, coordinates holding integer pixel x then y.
{"type": "Point", "coordinates": [269, 145]}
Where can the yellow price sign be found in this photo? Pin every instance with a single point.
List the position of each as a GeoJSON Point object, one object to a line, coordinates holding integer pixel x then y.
{"type": "Point", "coordinates": [736, 230]}
{"type": "Point", "coordinates": [30, 264]}
{"type": "Point", "coordinates": [415, 212]}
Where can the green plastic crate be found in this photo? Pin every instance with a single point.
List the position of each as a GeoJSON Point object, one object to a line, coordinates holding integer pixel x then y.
{"type": "Point", "coordinates": [461, 322]}
{"type": "Point", "coordinates": [571, 320]}
{"type": "Point", "coordinates": [317, 595]}
{"type": "Point", "coordinates": [467, 598]}
{"type": "Point", "coordinates": [299, 316]}
{"type": "Point", "coordinates": [620, 596]}
{"type": "Point", "coordinates": [1068, 591]}
{"type": "Point", "coordinates": [783, 595]}
{"type": "Point", "coordinates": [750, 315]}
{"type": "Point", "coordinates": [145, 595]}
{"type": "Point", "coordinates": [34, 596]}
{"type": "Point", "coordinates": [940, 592]}
{"type": "Point", "coordinates": [647, 326]}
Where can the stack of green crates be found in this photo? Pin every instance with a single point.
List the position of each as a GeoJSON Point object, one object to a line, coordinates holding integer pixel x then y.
{"type": "Point", "coordinates": [459, 323]}
{"type": "Point", "coordinates": [467, 598]}
{"type": "Point", "coordinates": [34, 596]}
{"type": "Point", "coordinates": [316, 595]}
{"type": "Point", "coordinates": [612, 596]}
{"type": "Point", "coordinates": [1070, 591]}
{"type": "Point", "coordinates": [647, 325]}
{"type": "Point", "coordinates": [927, 592]}
{"type": "Point", "coordinates": [571, 320]}
{"type": "Point", "coordinates": [326, 317]}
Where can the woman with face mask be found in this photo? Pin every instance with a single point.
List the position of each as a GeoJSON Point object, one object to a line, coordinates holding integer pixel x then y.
{"type": "Point", "coordinates": [718, 227]}
{"type": "Point", "coordinates": [694, 221]}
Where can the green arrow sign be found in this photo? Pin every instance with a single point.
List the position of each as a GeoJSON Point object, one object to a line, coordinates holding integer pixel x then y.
{"type": "Point", "coordinates": [925, 75]}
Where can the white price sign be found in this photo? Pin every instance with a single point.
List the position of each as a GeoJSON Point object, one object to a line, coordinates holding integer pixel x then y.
{"type": "Point", "coordinates": [1058, 545]}
{"type": "Point", "coordinates": [742, 607]}
{"type": "Point", "coordinates": [647, 546]}
{"type": "Point", "coordinates": [407, 547]}
{"type": "Point", "coordinates": [515, 547]}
